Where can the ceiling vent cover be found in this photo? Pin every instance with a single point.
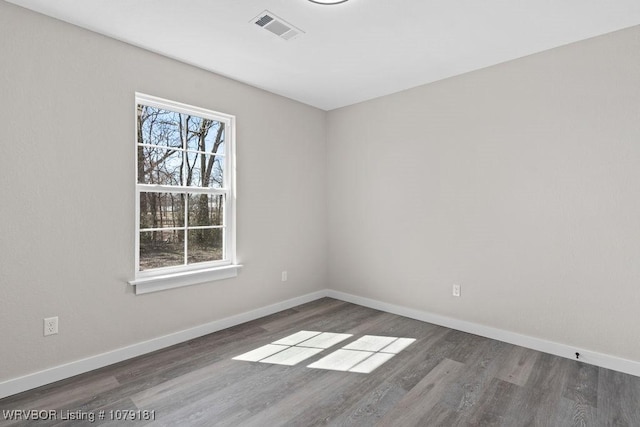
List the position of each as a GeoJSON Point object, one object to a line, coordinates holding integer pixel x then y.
{"type": "Point", "coordinates": [276, 25]}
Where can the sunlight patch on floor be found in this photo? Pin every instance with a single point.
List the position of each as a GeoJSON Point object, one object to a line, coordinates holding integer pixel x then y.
{"type": "Point", "coordinates": [363, 355]}
{"type": "Point", "coordinates": [293, 349]}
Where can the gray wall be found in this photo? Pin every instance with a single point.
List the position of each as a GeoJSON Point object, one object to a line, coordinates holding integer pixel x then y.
{"type": "Point", "coordinates": [521, 182]}
{"type": "Point", "coordinates": [67, 194]}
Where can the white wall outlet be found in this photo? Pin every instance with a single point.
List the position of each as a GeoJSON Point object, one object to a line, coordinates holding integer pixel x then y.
{"type": "Point", "coordinates": [284, 276]}
{"type": "Point", "coordinates": [456, 290]}
{"type": "Point", "coordinates": [50, 326]}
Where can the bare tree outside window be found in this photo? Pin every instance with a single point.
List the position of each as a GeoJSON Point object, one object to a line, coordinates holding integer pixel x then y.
{"type": "Point", "coordinates": [181, 172]}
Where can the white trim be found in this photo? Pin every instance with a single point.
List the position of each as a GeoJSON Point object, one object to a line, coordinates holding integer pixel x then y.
{"type": "Point", "coordinates": [156, 283]}
{"type": "Point", "coordinates": [563, 350]}
{"type": "Point", "coordinates": [193, 227]}
{"type": "Point", "coordinates": [157, 102]}
{"type": "Point", "coordinates": [188, 150]}
{"type": "Point", "coordinates": [157, 188]}
{"type": "Point", "coordinates": [229, 213]}
{"type": "Point", "coordinates": [57, 373]}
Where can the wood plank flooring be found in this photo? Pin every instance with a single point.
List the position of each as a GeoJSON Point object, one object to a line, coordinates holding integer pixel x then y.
{"type": "Point", "coordinates": [445, 378]}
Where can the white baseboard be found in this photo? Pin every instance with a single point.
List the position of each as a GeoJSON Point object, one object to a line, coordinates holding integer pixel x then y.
{"type": "Point", "coordinates": [57, 373]}
{"type": "Point", "coordinates": [563, 350]}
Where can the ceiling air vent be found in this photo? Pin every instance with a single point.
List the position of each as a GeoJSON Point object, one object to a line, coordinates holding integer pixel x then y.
{"type": "Point", "coordinates": [276, 25]}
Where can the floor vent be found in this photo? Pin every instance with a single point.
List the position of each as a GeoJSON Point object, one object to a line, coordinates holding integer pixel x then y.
{"type": "Point", "coordinates": [276, 25]}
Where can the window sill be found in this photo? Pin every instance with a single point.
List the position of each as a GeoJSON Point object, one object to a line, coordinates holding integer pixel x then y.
{"type": "Point", "coordinates": [177, 280]}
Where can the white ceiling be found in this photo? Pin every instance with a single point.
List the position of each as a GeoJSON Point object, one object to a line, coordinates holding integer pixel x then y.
{"type": "Point", "coordinates": [352, 51]}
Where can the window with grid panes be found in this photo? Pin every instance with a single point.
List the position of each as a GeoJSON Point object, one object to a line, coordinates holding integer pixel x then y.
{"type": "Point", "coordinates": [185, 193]}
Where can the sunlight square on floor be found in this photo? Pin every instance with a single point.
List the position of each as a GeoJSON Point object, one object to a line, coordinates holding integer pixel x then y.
{"type": "Point", "coordinates": [324, 340]}
{"type": "Point", "coordinates": [261, 353]}
{"type": "Point", "coordinates": [370, 343]}
{"type": "Point", "coordinates": [363, 355]}
{"type": "Point", "coordinates": [297, 338]}
{"type": "Point", "coordinates": [291, 356]}
{"type": "Point", "coordinates": [294, 348]}
{"type": "Point", "coordinates": [341, 360]}
{"type": "Point", "coordinates": [371, 363]}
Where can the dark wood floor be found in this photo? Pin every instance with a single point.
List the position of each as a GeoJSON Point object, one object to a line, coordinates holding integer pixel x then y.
{"type": "Point", "coordinates": [445, 378]}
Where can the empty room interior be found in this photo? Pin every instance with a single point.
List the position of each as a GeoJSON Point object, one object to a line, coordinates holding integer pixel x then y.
{"type": "Point", "coordinates": [291, 212]}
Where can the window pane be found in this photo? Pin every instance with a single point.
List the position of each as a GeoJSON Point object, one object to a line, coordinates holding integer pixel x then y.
{"type": "Point", "coordinates": [159, 166]}
{"type": "Point", "coordinates": [160, 210]}
{"type": "Point", "coordinates": [205, 245]}
{"type": "Point", "coordinates": [161, 249]}
{"type": "Point", "coordinates": [204, 170]}
{"type": "Point", "coordinates": [205, 209]}
{"type": "Point", "coordinates": [159, 127]}
{"type": "Point", "coordinates": [205, 135]}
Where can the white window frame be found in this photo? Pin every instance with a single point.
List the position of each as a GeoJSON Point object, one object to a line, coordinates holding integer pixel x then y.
{"type": "Point", "coordinates": [190, 274]}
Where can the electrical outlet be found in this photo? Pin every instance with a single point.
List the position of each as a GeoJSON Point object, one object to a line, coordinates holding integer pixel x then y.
{"type": "Point", "coordinates": [456, 290]}
{"type": "Point", "coordinates": [284, 276]}
{"type": "Point", "coordinates": [50, 326]}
